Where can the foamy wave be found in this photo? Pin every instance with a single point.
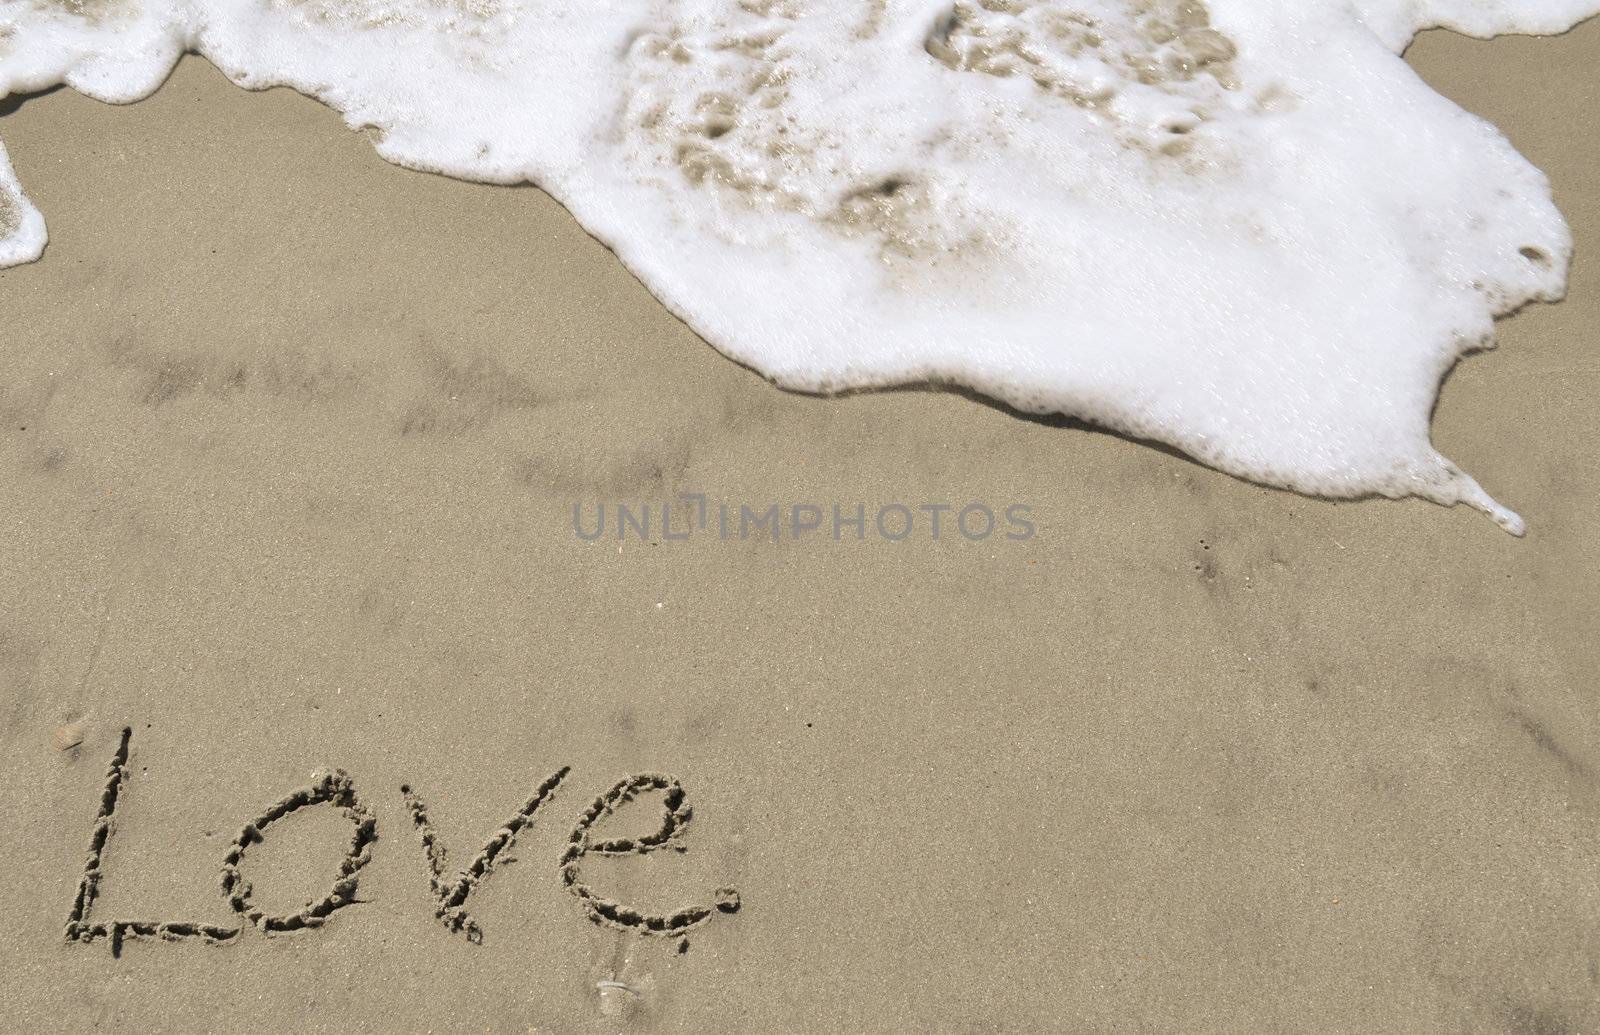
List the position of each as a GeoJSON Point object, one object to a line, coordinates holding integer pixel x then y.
{"type": "Point", "coordinates": [1240, 227]}
{"type": "Point", "coordinates": [22, 235]}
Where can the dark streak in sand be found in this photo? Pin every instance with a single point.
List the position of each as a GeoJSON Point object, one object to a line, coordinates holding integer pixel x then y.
{"type": "Point", "coordinates": [1546, 741]}
{"type": "Point", "coordinates": [466, 395]}
{"type": "Point", "coordinates": [650, 473]}
{"type": "Point", "coordinates": [1528, 1019]}
{"type": "Point", "coordinates": [173, 374]}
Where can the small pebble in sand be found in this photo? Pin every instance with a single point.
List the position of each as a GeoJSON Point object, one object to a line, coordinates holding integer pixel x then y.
{"type": "Point", "coordinates": [67, 736]}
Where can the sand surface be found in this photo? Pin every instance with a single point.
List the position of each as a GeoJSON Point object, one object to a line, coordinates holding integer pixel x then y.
{"type": "Point", "coordinates": [291, 440]}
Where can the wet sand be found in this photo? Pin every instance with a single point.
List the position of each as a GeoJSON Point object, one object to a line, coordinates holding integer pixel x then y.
{"type": "Point", "coordinates": [292, 441]}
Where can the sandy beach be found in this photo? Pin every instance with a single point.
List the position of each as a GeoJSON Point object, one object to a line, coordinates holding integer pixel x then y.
{"type": "Point", "coordinates": [293, 441]}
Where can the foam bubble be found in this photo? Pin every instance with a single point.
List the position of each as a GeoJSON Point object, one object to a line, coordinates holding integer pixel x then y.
{"type": "Point", "coordinates": [22, 234]}
{"type": "Point", "coordinates": [1241, 227]}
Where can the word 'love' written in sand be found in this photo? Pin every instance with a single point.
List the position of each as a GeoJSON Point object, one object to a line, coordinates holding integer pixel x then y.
{"type": "Point", "coordinates": [337, 790]}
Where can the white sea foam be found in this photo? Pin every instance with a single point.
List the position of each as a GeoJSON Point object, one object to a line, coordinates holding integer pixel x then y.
{"type": "Point", "coordinates": [22, 236]}
{"type": "Point", "coordinates": [1241, 227]}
